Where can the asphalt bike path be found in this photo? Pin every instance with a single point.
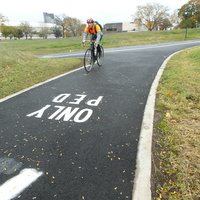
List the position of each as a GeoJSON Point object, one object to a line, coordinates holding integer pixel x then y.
{"type": "Point", "coordinates": [76, 137]}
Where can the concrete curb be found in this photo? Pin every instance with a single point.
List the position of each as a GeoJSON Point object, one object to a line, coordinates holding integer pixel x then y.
{"type": "Point", "coordinates": [142, 181]}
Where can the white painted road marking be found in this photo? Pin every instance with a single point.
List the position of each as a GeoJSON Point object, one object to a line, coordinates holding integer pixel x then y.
{"type": "Point", "coordinates": [121, 49]}
{"type": "Point", "coordinates": [142, 180]}
{"type": "Point", "coordinates": [14, 186]}
{"type": "Point", "coordinates": [68, 113]}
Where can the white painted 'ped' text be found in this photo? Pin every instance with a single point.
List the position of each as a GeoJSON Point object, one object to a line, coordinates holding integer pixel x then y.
{"type": "Point", "coordinates": [68, 113]}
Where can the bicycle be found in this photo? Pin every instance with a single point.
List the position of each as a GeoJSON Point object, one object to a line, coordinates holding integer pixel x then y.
{"type": "Point", "coordinates": [91, 56]}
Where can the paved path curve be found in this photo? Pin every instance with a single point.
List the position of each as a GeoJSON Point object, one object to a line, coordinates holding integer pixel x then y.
{"type": "Point", "coordinates": [76, 137]}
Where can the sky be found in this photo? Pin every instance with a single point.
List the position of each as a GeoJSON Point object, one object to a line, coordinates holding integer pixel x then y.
{"type": "Point", "coordinates": [103, 11]}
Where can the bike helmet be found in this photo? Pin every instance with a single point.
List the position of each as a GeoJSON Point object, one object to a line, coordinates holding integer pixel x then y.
{"type": "Point", "coordinates": [90, 20]}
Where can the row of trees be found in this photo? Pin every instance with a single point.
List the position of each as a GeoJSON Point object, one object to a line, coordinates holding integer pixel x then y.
{"type": "Point", "coordinates": [64, 26]}
{"type": "Point", "coordinates": [152, 15]}
{"type": "Point", "coordinates": [24, 29]}
{"type": "Point", "coordinates": [156, 17]}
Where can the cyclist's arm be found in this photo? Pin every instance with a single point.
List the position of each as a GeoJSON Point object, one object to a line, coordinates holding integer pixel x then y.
{"type": "Point", "coordinates": [85, 35]}
{"type": "Point", "coordinates": [99, 33]}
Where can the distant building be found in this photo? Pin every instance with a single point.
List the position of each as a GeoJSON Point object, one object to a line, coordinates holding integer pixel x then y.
{"type": "Point", "coordinates": [123, 27]}
{"type": "Point", "coordinates": [48, 17]}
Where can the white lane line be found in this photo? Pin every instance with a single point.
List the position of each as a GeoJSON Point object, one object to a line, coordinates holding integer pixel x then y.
{"type": "Point", "coordinates": [122, 49]}
{"type": "Point", "coordinates": [14, 186]}
{"type": "Point", "coordinates": [37, 85]}
{"type": "Point", "coordinates": [62, 55]}
{"type": "Point", "coordinates": [142, 181]}
{"type": "Point", "coordinates": [155, 46]}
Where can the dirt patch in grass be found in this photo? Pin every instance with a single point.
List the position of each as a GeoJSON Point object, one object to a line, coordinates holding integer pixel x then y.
{"type": "Point", "coordinates": [176, 160]}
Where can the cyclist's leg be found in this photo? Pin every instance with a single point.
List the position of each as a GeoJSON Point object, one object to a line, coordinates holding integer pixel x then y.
{"type": "Point", "coordinates": [100, 54]}
{"type": "Point", "coordinates": [93, 38]}
{"type": "Point", "coordinates": [98, 49]}
{"type": "Point", "coordinates": [92, 53]}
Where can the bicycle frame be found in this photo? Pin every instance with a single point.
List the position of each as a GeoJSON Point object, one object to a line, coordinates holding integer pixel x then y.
{"type": "Point", "coordinates": [92, 55]}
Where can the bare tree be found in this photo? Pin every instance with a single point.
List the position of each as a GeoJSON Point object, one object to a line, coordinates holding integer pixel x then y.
{"type": "Point", "coordinates": [44, 30]}
{"type": "Point", "coordinates": [151, 15]}
{"type": "Point", "coordinates": [26, 28]}
{"type": "Point", "coordinates": [175, 20]}
{"type": "Point", "coordinates": [62, 21]}
{"type": "Point", "coordinates": [73, 25]}
{"type": "Point", "coordinates": [3, 19]}
{"type": "Point", "coordinates": [70, 26]}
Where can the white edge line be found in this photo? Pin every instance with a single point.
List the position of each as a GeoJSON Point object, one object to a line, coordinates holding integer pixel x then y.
{"type": "Point", "coordinates": [142, 180]}
{"type": "Point", "coordinates": [37, 85]}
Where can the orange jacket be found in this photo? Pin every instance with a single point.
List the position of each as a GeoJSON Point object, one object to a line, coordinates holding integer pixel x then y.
{"type": "Point", "coordinates": [93, 30]}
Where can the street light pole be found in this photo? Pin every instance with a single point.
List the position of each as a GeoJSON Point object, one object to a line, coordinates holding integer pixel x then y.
{"type": "Point", "coordinates": [186, 20]}
{"type": "Point", "coordinates": [187, 14]}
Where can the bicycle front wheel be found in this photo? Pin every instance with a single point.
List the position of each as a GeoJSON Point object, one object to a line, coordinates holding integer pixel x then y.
{"type": "Point", "coordinates": [88, 60]}
{"type": "Point", "coordinates": [100, 57]}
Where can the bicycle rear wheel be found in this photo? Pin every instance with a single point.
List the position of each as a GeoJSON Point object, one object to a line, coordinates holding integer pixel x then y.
{"type": "Point", "coordinates": [100, 57]}
{"type": "Point", "coordinates": [88, 60]}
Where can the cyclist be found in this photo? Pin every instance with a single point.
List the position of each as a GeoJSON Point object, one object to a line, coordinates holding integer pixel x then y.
{"type": "Point", "coordinates": [96, 34]}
